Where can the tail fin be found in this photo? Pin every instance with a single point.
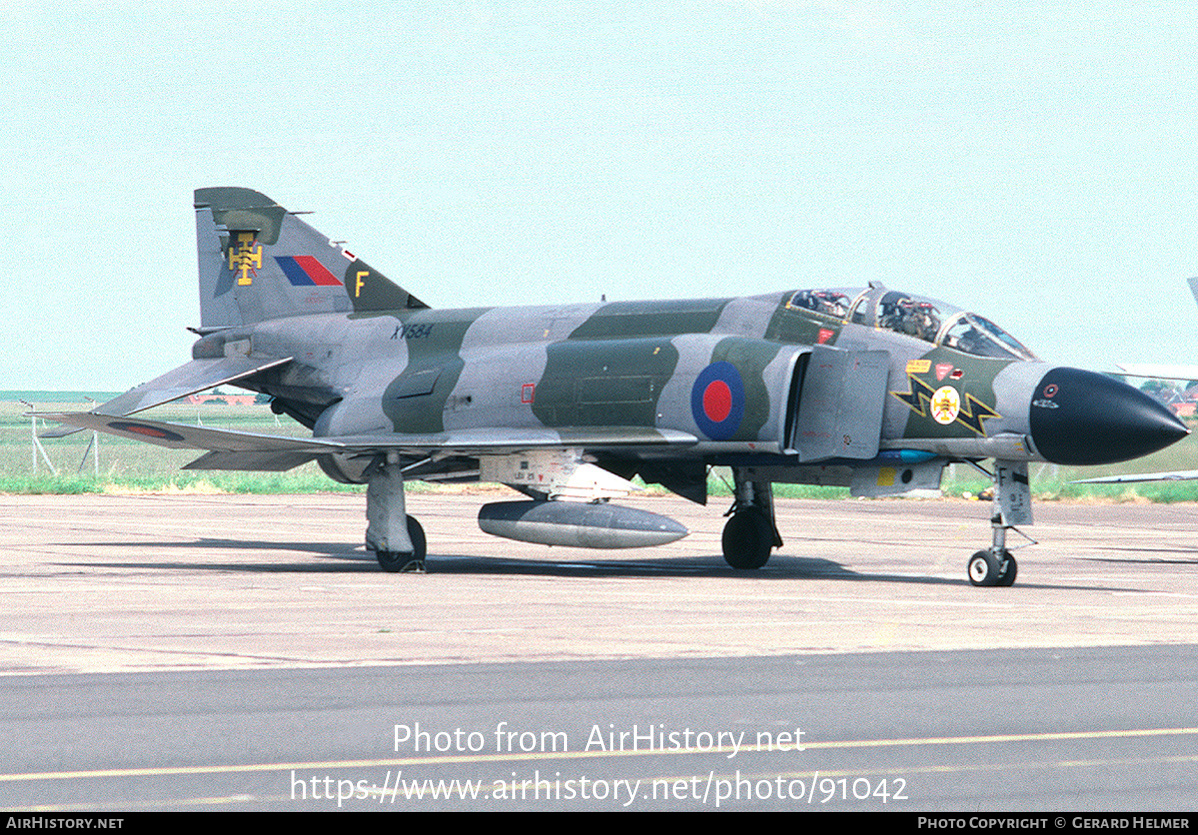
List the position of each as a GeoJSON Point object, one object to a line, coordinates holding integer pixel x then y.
{"type": "Point", "coordinates": [258, 261]}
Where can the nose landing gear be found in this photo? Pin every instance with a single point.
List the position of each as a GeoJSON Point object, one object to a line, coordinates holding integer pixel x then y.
{"type": "Point", "coordinates": [996, 566]}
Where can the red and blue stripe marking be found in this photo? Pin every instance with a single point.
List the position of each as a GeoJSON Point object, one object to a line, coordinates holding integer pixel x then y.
{"type": "Point", "coordinates": [306, 271]}
{"type": "Point", "coordinates": [718, 400]}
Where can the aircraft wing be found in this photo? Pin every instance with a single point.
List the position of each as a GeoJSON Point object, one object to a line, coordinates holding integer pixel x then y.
{"type": "Point", "coordinates": [1140, 478]}
{"type": "Point", "coordinates": [192, 378]}
{"type": "Point", "coordinates": [231, 449]}
{"type": "Point", "coordinates": [1164, 372]}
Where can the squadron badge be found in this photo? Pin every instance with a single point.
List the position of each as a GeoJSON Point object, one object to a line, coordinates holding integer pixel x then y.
{"type": "Point", "coordinates": [946, 405]}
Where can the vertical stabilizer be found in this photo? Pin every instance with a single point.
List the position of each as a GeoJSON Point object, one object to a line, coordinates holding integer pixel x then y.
{"type": "Point", "coordinates": [258, 261]}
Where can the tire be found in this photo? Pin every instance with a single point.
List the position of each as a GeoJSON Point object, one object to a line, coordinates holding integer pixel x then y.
{"type": "Point", "coordinates": [983, 569]}
{"type": "Point", "coordinates": [747, 540]}
{"type": "Point", "coordinates": [1010, 569]}
{"type": "Point", "coordinates": [395, 561]}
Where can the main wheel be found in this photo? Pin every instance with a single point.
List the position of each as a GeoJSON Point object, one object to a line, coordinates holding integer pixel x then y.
{"type": "Point", "coordinates": [394, 561]}
{"type": "Point", "coordinates": [747, 540]}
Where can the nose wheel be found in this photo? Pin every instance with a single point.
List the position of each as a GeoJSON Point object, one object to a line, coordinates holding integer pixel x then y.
{"type": "Point", "coordinates": [989, 569]}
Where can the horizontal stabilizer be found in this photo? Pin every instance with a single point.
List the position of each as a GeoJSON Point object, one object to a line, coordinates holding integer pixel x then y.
{"type": "Point", "coordinates": [59, 432]}
{"type": "Point", "coordinates": [184, 381]}
{"type": "Point", "coordinates": [187, 436]}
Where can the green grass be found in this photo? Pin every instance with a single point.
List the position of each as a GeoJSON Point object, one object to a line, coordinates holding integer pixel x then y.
{"type": "Point", "coordinates": [127, 465]}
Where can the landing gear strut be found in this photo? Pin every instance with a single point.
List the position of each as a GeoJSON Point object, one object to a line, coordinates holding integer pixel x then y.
{"type": "Point", "coordinates": [996, 566]}
{"type": "Point", "coordinates": [751, 533]}
{"type": "Point", "coordinates": [397, 539]}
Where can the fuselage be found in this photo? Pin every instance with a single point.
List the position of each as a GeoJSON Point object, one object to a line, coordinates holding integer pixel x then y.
{"type": "Point", "coordinates": [745, 376]}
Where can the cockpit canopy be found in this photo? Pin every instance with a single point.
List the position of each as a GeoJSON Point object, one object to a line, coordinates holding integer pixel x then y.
{"type": "Point", "coordinates": [922, 318]}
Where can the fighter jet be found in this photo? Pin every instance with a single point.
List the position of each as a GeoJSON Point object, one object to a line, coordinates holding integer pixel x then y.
{"type": "Point", "coordinates": [870, 388]}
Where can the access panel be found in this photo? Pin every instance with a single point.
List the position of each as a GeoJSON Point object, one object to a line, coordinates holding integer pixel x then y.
{"type": "Point", "coordinates": [840, 404]}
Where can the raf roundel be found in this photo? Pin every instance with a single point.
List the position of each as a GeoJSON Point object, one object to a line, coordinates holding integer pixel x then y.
{"type": "Point", "coordinates": [718, 400]}
{"type": "Point", "coordinates": [146, 430]}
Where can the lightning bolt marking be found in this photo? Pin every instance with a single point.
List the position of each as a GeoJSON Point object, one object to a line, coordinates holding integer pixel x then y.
{"type": "Point", "coordinates": [919, 396]}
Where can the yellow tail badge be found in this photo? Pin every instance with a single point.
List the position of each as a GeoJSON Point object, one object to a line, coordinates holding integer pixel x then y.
{"type": "Point", "coordinates": [945, 404]}
{"type": "Point", "coordinates": [245, 258]}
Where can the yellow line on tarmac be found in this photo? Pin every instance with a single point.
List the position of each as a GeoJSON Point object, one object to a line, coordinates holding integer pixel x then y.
{"type": "Point", "coordinates": [594, 754]}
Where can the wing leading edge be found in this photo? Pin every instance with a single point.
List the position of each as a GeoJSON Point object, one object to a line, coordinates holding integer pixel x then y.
{"type": "Point", "coordinates": [235, 450]}
{"type": "Point", "coordinates": [1142, 478]}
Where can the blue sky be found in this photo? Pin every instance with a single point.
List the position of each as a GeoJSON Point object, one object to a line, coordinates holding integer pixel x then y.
{"type": "Point", "coordinates": [1033, 162]}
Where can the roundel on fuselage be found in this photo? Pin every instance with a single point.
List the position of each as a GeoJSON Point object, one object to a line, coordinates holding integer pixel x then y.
{"type": "Point", "coordinates": [718, 400]}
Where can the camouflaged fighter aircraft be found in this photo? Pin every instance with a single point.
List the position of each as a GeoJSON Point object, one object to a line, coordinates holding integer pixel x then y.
{"type": "Point", "coordinates": [870, 388]}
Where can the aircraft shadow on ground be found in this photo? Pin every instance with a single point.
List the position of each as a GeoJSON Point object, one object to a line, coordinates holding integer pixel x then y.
{"type": "Point", "coordinates": [1116, 561]}
{"type": "Point", "coordinates": [335, 557]}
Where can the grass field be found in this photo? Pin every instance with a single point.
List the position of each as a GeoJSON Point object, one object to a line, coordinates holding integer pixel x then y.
{"type": "Point", "coordinates": [128, 466]}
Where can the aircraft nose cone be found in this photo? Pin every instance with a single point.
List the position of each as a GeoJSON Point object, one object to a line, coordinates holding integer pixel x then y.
{"type": "Point", "coordinates": [1079, 417]}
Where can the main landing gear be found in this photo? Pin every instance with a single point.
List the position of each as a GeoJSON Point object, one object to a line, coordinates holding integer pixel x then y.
{"type": "Point", "coordinates": [406, 561]}
{"type": "Point", "coordinates": [996, 565]}
{"type": "Point", "coordinates": [751, 533]}
{"type": "Point", "coordinates": [397, 539]}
